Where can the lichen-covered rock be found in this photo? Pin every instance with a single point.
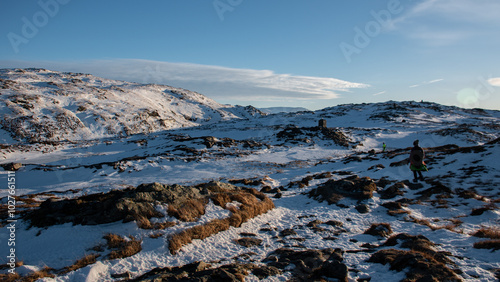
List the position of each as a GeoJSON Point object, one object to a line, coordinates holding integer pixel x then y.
{"type": "Point", "coordinates": [393, 191]}
{"type": "Point", "coordinates": [248, 242]}
{"type": "Point", "coordinates": [12, 166]}
{"type": "Point", "coordinates": [310, 264]}
{"type": "Point", "coordinates": [352, 187]}
{"type": "Point", "coordinates": [127, 205]}
{"type": "Point", "coordinates": [379, 229]}
{"type": "Point", "coordinates": [419, 266]}
{"type": "Point", "coordinates": [198, 271]}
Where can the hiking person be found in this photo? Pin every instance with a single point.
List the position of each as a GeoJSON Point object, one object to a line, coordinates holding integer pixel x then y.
{"type": "Point", "coordinates": [383, 147]}
{"type": "Point", "coordinates": [417, 164]}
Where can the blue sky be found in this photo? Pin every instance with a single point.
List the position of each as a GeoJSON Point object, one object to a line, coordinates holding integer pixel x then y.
{"type": "Point", "coordinates": [312, 54]}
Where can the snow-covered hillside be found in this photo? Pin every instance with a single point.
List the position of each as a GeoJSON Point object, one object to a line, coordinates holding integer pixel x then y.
{"type": "Point", "coordinates": [277, 110]}
{"type": "Point", "coordinates": [39, 105]}
{"type": "Point", "coordinates": [272, 198]}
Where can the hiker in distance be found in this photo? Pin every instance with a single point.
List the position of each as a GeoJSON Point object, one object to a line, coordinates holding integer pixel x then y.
{"type": "Point", "coordinates": [383, 147]}
{"type": "Point", "coordinates": [417, 164]}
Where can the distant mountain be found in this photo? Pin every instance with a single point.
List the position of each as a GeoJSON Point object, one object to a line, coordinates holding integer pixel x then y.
{"type": "Point", "coordinates": [39, 105]}
{"type": "Point", "coordinates": [277, 110]}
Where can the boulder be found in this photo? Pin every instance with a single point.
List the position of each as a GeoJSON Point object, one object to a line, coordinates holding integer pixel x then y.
{"type": "Point", "coordinates": [393, 191]}
{"type": "Point", "coordinates": [126, 205]}
{"type": "Point", "coordinates": [379, 229]}
{"type": "Point", "coordinates": [248, 242]}
{"type": "Point", "coordinates": [310, 264]}
{"type": "Point", "coordinates": [417, 266]}
{"type": "Point", "coordinates": [12, 166]}
{"type": "Point", "coordinates": [352, 187]}
{"type": "Point", "coordinates": [362, 208]}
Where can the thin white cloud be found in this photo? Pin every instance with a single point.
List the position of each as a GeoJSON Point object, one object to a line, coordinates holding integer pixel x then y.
{"type": "Point", "coordinates": [485, 11]}
{"type": "Point", "coordinates": [445, 22]}
{"type": "Point", "coordinates": [427, 82]}
{"type": "Point", "coordinates": [494, 81]}
{"type": "Point", "coordinates": [379, 93]}
{"type": "Point", "coordinates": [435, 80]}
{"type": "Point", "coordinates": [214, 81]}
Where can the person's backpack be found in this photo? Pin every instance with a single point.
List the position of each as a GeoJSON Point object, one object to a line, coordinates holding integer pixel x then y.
{"type": "Point", "coordinates": [417, 156]}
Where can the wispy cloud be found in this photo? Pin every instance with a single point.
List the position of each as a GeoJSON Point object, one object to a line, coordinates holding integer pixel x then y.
{"type": "Point", "coordinates": [426, 83]}
{"type": "Point", "coordinates": [215, 81]}
{"type": "Point", "coordinates": [379, 93]}
{"type": "Point", "coordinates": [445, 22]}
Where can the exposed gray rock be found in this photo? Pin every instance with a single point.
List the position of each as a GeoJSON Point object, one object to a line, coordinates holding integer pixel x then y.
{"type": "Point", "coordinates": [353, 187]}
{"type": "Point", "coordinates": [310, 264]}
{"type": "Point", "coordinates": [127, 205]}
{"type": "Point", "coordinates": [248, 242]}
{"type": "Point", "coordinates": [12, 166]}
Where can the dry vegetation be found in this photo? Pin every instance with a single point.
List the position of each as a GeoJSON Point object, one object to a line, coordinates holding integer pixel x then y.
{"type": "Point", "coordinates": [488, 244]}
{"type": "Point", "coordinates": [490, 232]}
{"type": "Point", "coordinates": [481, 210]}
{"type": "Point", "coordinates": [87, 260]}
{"type": "Point", "coordinates": [253, 203]}
{"type": "Point", "coordinates": [144, 223]}
{"type": "Point", "coordinates": [423, 266]}
{"type": "Point", "coordinates": [121, 247]}
{"type": "Point", "coordinates": [379, 229]}
{"type": "Point", "coordinates": [189, 210]}
{"type": "Point", "coordinates": [45, 272]}
{"type": "Point", "coordinates": [454, 223]}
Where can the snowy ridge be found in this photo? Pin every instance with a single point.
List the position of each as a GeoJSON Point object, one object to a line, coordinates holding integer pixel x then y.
{"type": "Point", "coordinates": [286, 156]}
{"type": "Point", "coordinates": [39, 105]}
{"type": "Point", "coordinates": [277, 110]}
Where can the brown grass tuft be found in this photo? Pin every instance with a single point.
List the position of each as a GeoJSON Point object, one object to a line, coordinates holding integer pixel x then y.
{"type": "Point", "coordinates": [156, 235]}
{"type": "Point", "coordinates": [491, 233]}
{"type": "Point", "coordinates": [221, 199]}
{"type": "Point", "coordinates": [114, 240]}
{"type": "Point", "coordinates": [46, 272]}
{"type": "Point", "coordinates": [28, 200]}
{"type": "Point", "coordinates": [130, 248]}
{"type": "Point", "coordinates": [10, 277]}
{"type": "Point", "coordinates": [198, 232]}
{"type": "Point", "coordinates": [488, 244]}
{"type": "Point", "coordinates": [88, 259]}
{"type": "Point", "coordinates": [122, 248]}
{"type": "Point", "coordinates": [190, 210]}
{"type": "Point", "coordinates": [253, 203]}
{"type": "Point", "coordinates": [397, 212]}
{"type": "Point", "coordinates": [143, 222]}
{"type": "Point", "coordinates": [163, 225]}
{"type": "Point", "coordinates": [18, 264]}
{"type": "Point", "coordinates": [451, 227]}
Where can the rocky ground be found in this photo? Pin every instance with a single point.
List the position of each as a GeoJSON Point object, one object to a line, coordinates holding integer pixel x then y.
{"type": "Point", "coordinates": [275, 199]}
